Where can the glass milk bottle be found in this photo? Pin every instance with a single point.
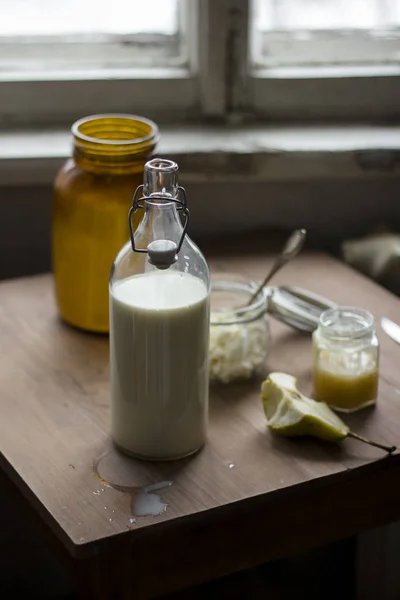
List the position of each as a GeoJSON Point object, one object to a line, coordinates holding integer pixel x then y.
{"type": "Point", "coordinates": [159, 326]}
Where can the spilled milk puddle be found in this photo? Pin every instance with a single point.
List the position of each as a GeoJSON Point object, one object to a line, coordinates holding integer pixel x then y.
{"type": "Point", "coordinates": [131, 477]}
{"type": "Point", "coordinates": [116, 471]}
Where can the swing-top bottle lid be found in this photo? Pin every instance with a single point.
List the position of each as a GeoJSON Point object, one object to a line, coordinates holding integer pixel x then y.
{"type": "Point", "coordinates": [160, 184]}
{"type": "Point", "coordinates": [162, 253]}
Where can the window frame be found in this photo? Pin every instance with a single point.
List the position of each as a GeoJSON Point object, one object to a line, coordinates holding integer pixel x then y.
{"type": "Point", "coordinates": [219, 82]}
{"type": "Point", "coordinates": [172, 93]}
{"type": "Point", "coordinates": [338, 48]}
{"type": "Point", "coordinates": [328, 94]}
{"type": "Point", "coordinates": [333, 93]}
{"type": "Point", "coordinates": [64, 100]}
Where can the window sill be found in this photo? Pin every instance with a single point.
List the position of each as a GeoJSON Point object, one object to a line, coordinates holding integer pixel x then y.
{"type": "Point", "coordinates": [253, 153]}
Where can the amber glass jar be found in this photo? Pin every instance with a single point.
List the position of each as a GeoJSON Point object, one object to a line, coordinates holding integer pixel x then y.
{"type": "Point", "coordinates": [93, 193]}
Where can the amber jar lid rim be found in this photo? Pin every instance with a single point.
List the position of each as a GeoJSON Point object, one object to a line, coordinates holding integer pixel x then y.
{"type": "Point", "coordinates": [151, 137]}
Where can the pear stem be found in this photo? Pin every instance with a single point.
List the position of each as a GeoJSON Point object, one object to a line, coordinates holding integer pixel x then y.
{"type": "Point", "coordinates": [388, 449]}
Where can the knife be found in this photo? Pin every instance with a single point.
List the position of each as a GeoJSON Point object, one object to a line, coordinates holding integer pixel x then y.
{"type": "Point", "coordinates": [391, 329]}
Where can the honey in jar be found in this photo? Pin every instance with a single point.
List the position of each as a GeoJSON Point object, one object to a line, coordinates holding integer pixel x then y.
{"type": "Point", "coordinates": [346, 359]}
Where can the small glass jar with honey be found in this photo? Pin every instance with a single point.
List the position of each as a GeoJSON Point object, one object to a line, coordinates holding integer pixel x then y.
{"type": "Point", "coordinates": [346, 359]}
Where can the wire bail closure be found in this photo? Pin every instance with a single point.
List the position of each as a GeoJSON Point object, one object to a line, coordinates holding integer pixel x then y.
{"type": "Point", "coordinates": [162, 253]}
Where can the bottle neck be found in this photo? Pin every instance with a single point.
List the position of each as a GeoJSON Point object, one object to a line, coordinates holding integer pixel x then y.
{"type": "Point", "coordinates": [160, 178]}
{"type": "Point", "coordinates": [161, 220]}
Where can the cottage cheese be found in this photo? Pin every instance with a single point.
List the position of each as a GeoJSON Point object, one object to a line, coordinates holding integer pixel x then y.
{"type": "Point", "coordinates": [237, 350]}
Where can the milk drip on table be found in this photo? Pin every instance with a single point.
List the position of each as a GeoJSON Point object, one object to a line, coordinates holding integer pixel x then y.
{"type": "Point", "coordinates": [159, 327]}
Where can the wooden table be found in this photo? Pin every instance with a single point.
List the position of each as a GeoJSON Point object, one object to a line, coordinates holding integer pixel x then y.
{"type": "Point", "coordinates": [247, 498]}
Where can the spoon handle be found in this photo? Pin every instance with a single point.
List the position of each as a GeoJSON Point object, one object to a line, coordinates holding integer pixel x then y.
{"type": "Point", "coordinates": [279, 263]}
{"type": "Point", "coordinates": [292, 247]}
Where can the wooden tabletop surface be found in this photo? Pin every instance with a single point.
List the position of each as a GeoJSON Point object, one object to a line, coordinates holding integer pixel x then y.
{"type": "Point", "coordinates": [248, 496]}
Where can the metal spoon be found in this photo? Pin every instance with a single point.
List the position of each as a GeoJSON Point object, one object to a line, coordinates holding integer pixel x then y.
{"type": "Point", "coordinates": [291, 249]}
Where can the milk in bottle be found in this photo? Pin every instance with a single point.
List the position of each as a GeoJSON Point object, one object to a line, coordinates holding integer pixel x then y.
{"type": "Point", "coordinates": [159, 328]}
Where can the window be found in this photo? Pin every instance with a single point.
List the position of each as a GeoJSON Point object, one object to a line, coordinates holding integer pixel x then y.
{"type": "Point", "coordinates": [61, 60]}
{"type": "Point", "coordinates": [42, 35]}
{"type": "Point", "coordinates": [185, 59]}
{"type": "Point", "coordinates": [328, 58]}
{"type": "Point", "coordinates": [293, 33]}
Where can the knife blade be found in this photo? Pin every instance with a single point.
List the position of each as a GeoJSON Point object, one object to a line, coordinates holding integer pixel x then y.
{"type": "Point", "coordinates": [391, 329]}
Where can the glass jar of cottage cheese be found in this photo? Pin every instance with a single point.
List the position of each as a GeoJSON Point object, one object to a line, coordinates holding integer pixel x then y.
{"type": "Point", "coordinates": [239, 334]}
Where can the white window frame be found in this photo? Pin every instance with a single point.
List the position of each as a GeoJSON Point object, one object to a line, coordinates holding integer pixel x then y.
{"type": "Point", "coordinates": [218, 83]}
{"type": "Point", "coordinates": [356, 94]}
{"type": "Point", "coordinates": [311, 93]}
{"type": "Point", "coordinates": [171, 93]}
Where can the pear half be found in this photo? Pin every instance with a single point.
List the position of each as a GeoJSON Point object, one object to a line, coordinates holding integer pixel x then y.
{"type": "Point", "coordinates": [290, 413]}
